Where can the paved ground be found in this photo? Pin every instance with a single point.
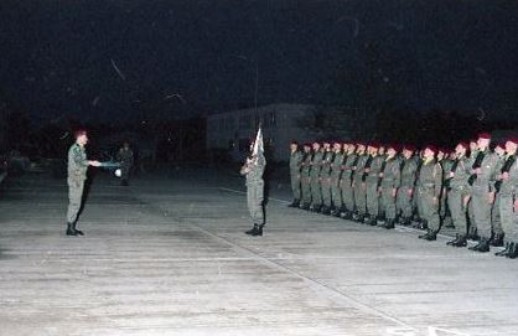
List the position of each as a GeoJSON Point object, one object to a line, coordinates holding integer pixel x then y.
{"type": "Point", "coordinates": [167, 256]}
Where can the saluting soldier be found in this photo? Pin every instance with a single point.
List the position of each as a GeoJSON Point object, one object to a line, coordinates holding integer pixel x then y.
{"type": "Point", "coordinates": [305, 178]}
{"type": "Point", "coordinates": [405, 204]}
{"type": "Point", "coordinates": [77, 169]}
{"type": "Point", "coordinates": [316, 167]}
{"type": "Point", "coordinates": [346, 187]}
{"type": "Point", "coordinates": [296, 158]}
{"type": "Point", "coordinates": [358, 184]}
{"type": "Point", "coordinates": [325, 178]}
{"type": "Point", "coordinates": [372, 184]}
{"type": "Point", "coordinates": [390, 182]}
{"type": "Point", "coordinates": [336, 174]}
{"type": "Point", "coordinates": [429, 186]}
{"type": "Point", "coordinates": [459, 194]}
{"type": "Point", "coordinates": [509, 200]}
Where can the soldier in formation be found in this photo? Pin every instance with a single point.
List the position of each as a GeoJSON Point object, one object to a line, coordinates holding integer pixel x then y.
{"type": "Point", "coordinates": [473, 189]}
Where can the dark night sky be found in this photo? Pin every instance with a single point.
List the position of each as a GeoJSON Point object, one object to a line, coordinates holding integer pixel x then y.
{"type": "Point", "coordinates": [60, 57]}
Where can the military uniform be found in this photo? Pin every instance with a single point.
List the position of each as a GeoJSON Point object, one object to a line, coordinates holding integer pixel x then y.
{"type": "Point", "coordinates": [458, 193]}
{"type": "Point", "coordinates": [496, 223]}
{"type": "Point", "coordinates": [346, 187]}
{"type": "Point", "coordinates": [429, 186]}
{"type": "Point", "coordinates": [405, 207]}
{"type": "Point", "coordinates": [295, 176]}
{"type": "Point", "coordinates": [391, 180]}
{"type": "Point", "coordinates": [372, 184]}
{"type": "Point", "coordinates": [360, 198]}
{"type": "Point", "coordinates": [253, 171]}
{"type": "Point", "coordinates": [77, 168]}
{"type": "Point", "coordinates": [336, 174]}
{"type": "Point", "coordinates": [508, 213]}
{"type": "Point", "coordinates": [316, 189]}
{"type": "Point", "coordinates": [305, 180]}
{"type": "Point", "coordinates": [325, 181]}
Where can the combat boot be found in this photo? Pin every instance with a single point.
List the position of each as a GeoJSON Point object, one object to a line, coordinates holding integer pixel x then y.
{"type": "Point", "coordinates": [74, 228]}
{"type": "Point", "coordinates": [482, 246]}
{"type": "Point", "coordinates": [305, 206]}
{"type": "Point", "coordinates": [429, 235]}
{"type": "Point", "coordinates": [454, 241]}
{"type": "Point", "coordinates": [294, 204]}
{"type": "Point", "coordinates": [462, 242]}
{"type": "Point", "coordinates": [253, 230]}
{"type": "Point", "coordinates": [513, 251]}
{"type": "Point", "coordinates": [498, 240]}
{"type": "Point", "coordinates": [325, 210]}
{"type": "Point", "coordinates": [259, 231]}
{"type": "Point", "coordinates": [389, 224]}
{"type": "Point", "coordinates": [70, 230]}
{"type": "Point", "coordinates": [505, 251]}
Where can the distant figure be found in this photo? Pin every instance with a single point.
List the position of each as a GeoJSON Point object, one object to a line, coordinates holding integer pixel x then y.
{"type": "Point", "coordinates": [125, 157]}
{"type": "Point", "coordinates": [253, 170]}
{"type": "Point", "coordinates": [296, 158]}
{"type": "Point", "coordinates": [77, 168]}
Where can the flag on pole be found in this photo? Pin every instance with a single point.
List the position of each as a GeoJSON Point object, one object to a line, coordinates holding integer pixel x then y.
{"type": "Point", "coordinates": [258, 143]}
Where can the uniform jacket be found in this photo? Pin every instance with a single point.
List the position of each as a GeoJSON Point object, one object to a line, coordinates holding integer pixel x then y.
{"type": "Point", "coordinates": [295, 162]}
{"type": "Point", "coordinates": [409, 173]}
{"type": "Point", "coordinates": [430, 178]}
{"type": "Point", "coordinates": [77, 162]}
{"type": "Point", "coordinates": [392, 173]}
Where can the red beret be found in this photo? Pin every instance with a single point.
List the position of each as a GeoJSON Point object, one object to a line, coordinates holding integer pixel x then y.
{"type": "Point", "coordinates": [513, 140]}
{"type": "Point", "coordinates": [486, 136]}
{"type": "Point", "coordinates": [393, 146]}
{"type": "Point", "coordinates": [431, 148]}
{"type": "Point", "coordinates": [79, 132]}
{"type": "Point", "coordinates": [410, 148]}
{"type": "Point", "coordinates": [463, 145]}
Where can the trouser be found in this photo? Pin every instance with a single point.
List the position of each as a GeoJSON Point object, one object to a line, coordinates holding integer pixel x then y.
{"type": "Point", "coordinates": [347, 193]}
{"type": "Point", "coordinates": [458, 209]}
{"type": "Point", "coordinates": [326, 191]}
{"type": "Point", "coordinates": [429, 209]}
{"type": "Point", "coordinates": [360, 198]}
{"type": "Point", "coordinates": [295, 186]}
{"type": "Point", "coordinates": [75, 197]}
{"type": "Point", "coordinates": [482, 213]}
{"type": "Point", "coordinates": [496, 222]}
{"type": "Point", "coordinates": [254, 198]}
{"type": "Point", "coordinates": [306, 190]}
{"type": "Point", "coordinates": [509, 218]}
{"type": "Point", "coordinates": [336, 192]}
{"type": "Point", "coordinates": [125, 172]}
{"type": "Point", "coordinates": [405, 207]}
{"type": "Point", "coordinates": [316, 191]}
{"type": "Point", "coordinates": [388, 202]}
{"type": "Point", "coordinates": [372, 198]}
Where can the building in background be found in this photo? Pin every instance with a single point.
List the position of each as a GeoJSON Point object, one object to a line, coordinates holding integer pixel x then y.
{"type": "Point", "coordinates": [232, 131]}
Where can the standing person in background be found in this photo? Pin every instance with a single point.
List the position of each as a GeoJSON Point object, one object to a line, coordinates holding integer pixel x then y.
{"type": "Point", "coordinates": [253, 170]}
{"type": "Point", "coordinates": [497, 239]}
{"type": "Point", "coordinates": [77, 168]}
{"type": "Point", "coordinates": [125, 157]}
{"type": "Point", "coordinates": [346, 187]}
{"type": "Point", "coordinates": [405, 206]}
{"type": "Point", "coordinates": [305, 177]}
{"type": "Point", "coordinates": [316, 187]}
{"type": "Point", "coordinates": [295, 174]}
{"type": "Point", "coordinates": [358, 184]}
{"type": "Point", "coordinates": [339, 151]}
{"type": "Point", "coordinates": [390, 182]}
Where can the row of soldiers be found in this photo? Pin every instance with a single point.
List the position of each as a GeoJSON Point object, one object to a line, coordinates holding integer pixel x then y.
{"type": "Point", "coordinates": [384, 185]}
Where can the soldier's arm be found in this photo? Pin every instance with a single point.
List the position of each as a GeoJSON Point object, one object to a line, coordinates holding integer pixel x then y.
{"type": "Point", "coordinates": [78, 158]}
{"type": "Point", "coordinates": [438, 174]}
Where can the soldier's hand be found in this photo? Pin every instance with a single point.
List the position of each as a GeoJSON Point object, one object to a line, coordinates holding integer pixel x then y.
{"type": "Point", "coordinates": [505, 176]}
{"type": "Point", "coordinates": [394, 192]}
{"type": "Point", "coordinates": [410, 192]}
{"type": "Point", "coordinates": [94, 163]}
{"type": "Point", "coordinates": [466, 200]}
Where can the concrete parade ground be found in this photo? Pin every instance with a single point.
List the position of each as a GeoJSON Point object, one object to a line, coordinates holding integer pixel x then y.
{"type": "Point", "coordinates": [168, 256]}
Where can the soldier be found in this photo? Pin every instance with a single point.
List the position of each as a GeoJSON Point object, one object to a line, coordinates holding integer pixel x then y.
{"type": "Point", "coordinates": [336, 174]}
{"type": "Point", "coordinates": [253, 170]}
{"type": "Point", "coordinates": [497, 239]}
{"type": "Point", "coordinates": [390, 182]}
{"type": "Point", "coordinates": [125, 157]}
{"type": "Point", "coordinates": [296, 158]}
{"type": "Point", "coordinates": [446, 163]}
{"type": "Point", "coordinates": [316, 189]}
{"type": "Point", "coordinates": [429, 186]}
{"type": "Point", "coordinates": [406, 189]}
{"type": "Point", "coordinates": [372, 184]}
{"type": "Point", "coordinates": [509, 200]}
{"type": "Point", "coordinates": [346, 187]}
{"type": "Point", "coordinates": [77, 168]}
{"type": "Point", "coordinates": [305, 179]}
{"type": "Point", "coordinates": [472, 228]}
{"type": "Point", "coordinates": [358, 184]}
{"type": "Point", "coordinates": [458, 194]}
{"type": "Point", "coordinates": [483, 193]}
{"type": "Point", "coordinates": [325, 178]}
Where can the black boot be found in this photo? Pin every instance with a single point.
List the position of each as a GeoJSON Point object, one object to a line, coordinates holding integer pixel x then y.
{"type": "Point", "coordinates": [498, 240]}
{"type": "Point", "coordinates": [454, 241]}
{"type": "Point", "coordinates": [505, 252]}
{"type": "Point", "coordinates": [482, 246]}
{"type": "Point", "coordinates": [513, 251]}
{"type": "Point", "coordinates": [389, 224]}
{"type": "Point", "coordinates": [259, 231]}
{"type": "Point", "coordinates": [70, 230]}
{"type": "Point", "coordinates": [74, 228]}
{"type": "Point", "coordinates": [305, 206]}
{"type": "Point", "coordinates": [253, 230]}
{"type": "Point", "coordinates": [430, 235]}
{"type": "Point", "coordinates": [473, 235]}
{"type": "Point", "coordinates": [325, 210]}
{"type": "Point", "coordinates": [294, 204]}
{"type": "Point", "coordinates": [462, 242]}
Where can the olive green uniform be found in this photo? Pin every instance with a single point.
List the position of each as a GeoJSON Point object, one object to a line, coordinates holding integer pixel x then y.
{"type": "Point", "coordinates": [316, 189]}
{"type": "Point", "coordinates": [459, 190]}
{"type": "Point", "coordinates": [295, 174]}
{"type": "Point", "coordinates": [346, 187]}
{"type": "Point", "coordinates": [77, 168]}
{"type": "Point", "coordinates": [325, 179]}
{"type": "Point", "coordinates": [125, 157]}
{"type": "Point", "coordinates": [255, 189]}
{"type": "Point", "coordinates": [360, 198]}
{"type": "Point", "coordinates": [405, 207]}
{"type": "Point", "coordinates": [372, 184]}
{"type": "Point", "coordinates": [390, 182]}
{"type": "Point", "coordinates": [336, 175]}
{"type": "Point", "coordinates": [305, 180]}
{"type": "Point", "coordinates": [509, 193]}
{"type": "Point", "coordinates": [429, 186]}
